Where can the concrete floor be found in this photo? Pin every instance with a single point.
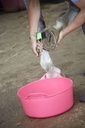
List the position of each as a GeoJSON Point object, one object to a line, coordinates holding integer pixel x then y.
{"type": "Point", "coordinates": [18, 66]}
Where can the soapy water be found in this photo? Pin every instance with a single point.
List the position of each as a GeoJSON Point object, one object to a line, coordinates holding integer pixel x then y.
{"type": "Point", "coordinates": [51, 75]}
{"type": "Point", "coordinates": [48, 66]}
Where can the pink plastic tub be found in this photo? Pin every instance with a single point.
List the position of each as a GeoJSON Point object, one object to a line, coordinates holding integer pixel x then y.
{"type": "Point", "coordinates": [47, 97]}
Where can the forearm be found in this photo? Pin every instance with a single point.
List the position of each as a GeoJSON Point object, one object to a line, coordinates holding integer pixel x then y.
{"type": "Point", "coordinates": [76, 23]}
{"type": "Point", "coordinates": [33, 15]}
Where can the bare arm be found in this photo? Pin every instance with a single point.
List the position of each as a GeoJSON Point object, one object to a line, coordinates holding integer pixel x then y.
{"type": "Point", "coordinates": [76, 23]}
{"type": "Point", "coordinates": [33, 18]}
{"type": "Point", "coordinates": [33, 15]}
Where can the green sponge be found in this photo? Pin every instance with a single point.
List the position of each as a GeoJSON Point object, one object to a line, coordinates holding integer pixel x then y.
{"type": "Point", "coordinates": [39, 36]}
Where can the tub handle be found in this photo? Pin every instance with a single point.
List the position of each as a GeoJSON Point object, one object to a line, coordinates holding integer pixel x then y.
{"type": "Point", "coordinates": [37, 95]}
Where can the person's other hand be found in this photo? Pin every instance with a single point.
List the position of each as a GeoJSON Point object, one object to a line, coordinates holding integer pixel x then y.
{"type": "Point", "coordinates": [60, 37]}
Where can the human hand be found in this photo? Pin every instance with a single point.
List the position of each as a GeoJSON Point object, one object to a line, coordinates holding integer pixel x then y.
{"type": "Point", "coordinates": [37, 47]}
{"type": "Point", "coordinates": [60, 37]}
